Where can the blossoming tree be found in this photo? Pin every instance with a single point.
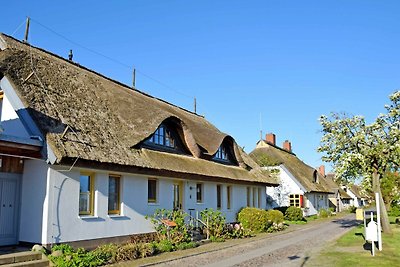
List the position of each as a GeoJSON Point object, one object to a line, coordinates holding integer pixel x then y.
{"type": "Point", "coordinates": [357, 149]}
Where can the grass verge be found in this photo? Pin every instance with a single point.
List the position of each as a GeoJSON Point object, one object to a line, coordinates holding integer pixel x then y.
{"type": "Point", "coordinates": [352, 250]}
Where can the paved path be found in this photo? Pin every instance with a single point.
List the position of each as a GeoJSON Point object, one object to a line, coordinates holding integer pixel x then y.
{"type": "Point", "coordinates": [288, 249]}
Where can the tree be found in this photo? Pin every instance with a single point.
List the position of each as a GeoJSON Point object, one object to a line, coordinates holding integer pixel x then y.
{"type": "Point", "coordinates": [360, 150]}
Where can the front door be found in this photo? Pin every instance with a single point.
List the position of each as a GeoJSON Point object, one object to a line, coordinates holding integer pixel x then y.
{"type": "Point", "coordinates": [8, 209]}
{"type": "Point", "coordinates": [178, 194]}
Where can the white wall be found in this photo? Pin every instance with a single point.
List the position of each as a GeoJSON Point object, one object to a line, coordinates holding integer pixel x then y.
{"type": "Point", "coordinates": [33, 194]}
{"type": "Point", "coordinates": [10, 121]}
{"type": "Point", "coordinates": [287, 186]}
{"type": "Point", "coordinates": [65, 224]}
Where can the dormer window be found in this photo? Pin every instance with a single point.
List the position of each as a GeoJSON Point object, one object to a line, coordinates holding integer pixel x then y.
{"type": "Point", "coordinates": [163, 136]}
{"type": "Point", "coordinates": [315, 178]}
{"type": "Point", "coordinates": [221, 154]}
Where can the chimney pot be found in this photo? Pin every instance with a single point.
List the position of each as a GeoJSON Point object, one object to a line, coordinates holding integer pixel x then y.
{"type": "Point", "coordinates": [287, 146]}
{"type": "Point", "coordinates": [270, 138]}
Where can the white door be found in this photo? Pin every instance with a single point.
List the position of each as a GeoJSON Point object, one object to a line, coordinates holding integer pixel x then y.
{"type": "Point", "coordinates": [8, 210]}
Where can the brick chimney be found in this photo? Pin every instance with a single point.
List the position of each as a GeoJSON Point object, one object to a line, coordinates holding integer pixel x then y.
{"type": "Point", "coordinates": [321, 170]}
{"type": "Point", "coordinates": [270, 138]}
{"type": "Point", "coordinates": [287, 146]}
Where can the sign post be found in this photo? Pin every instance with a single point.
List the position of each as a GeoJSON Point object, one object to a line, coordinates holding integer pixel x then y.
{"type": "Point", "coordinates": [378, 218]}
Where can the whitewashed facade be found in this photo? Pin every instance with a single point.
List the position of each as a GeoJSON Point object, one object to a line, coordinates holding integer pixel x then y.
{"type": "Point", "coordinates": [279, 196]}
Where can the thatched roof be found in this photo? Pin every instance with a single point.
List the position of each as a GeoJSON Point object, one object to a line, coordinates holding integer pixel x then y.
{"type": "Point", "coordinates": [266, 153]}
{"type": "Point", "coordinates": [85, 115]}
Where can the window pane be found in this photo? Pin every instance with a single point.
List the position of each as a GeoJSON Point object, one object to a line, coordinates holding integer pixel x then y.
{"type": "Point", "coordinates": [219, 200]}
{"type": "Point", "coordinates": [248, 197]}
{"type": "Point", "coordinates": [152, 190]}
{"type": "Point", "coordinates": [228, 197]}
{"type": "Point", "coordinates": [85, 194]}
{"type": "Point", "coordinates": [199, 193]}
{"type": "Point", "coordinates": [113, 194]}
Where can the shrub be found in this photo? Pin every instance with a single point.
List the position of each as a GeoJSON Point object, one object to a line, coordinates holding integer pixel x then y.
{"type": "Point", "coordinates": [294, 214]}
{"type": "Point", "coordinates": [324, 213]}
{"type": "Point", "coordinates": [106, 253]}
{"type": "Point", "coordinates": [275, 216]}
{"type": "Point", "coordinates": [216, 223]}
{"type": "Point", "coordinates": [352, 209]}
{"type": "Point", "coordinates": [254, 219]}
{"type": "Point", "coordinates": [177, 234]}
{"type": "Point", "coordinates": [164, 245]}
{"type": "Point", "coordinates": [394, 211]}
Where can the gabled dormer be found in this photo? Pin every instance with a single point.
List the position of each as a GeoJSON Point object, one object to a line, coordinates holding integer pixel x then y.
{"type": "Point", "coordinates": [167, 137]}
{"type": "Point", "coordinates": [225, 153]}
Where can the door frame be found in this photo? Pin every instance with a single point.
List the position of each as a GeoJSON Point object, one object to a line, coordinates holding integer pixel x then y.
{"type": "Point", "coordinates": [18, 178]}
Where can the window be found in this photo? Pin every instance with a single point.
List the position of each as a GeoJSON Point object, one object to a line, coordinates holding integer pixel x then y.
{"type": "Point", "coordinates": [296, 200]}
{"type": "Point", "coordinates": [254, 197]}
{"type": "Point", "coordinates": [152, 191]}
{"type": "Point", "coordinates": [315, 177]}
{"type": "Point", "coordinates": [248, 196]}
{"type": "Point", "coordinates": [163, 137]}
{"type": "Point", "coordinates": [113, 194]}
{"type": "Point", "coordinates": [199, 193]}
{"type": "Point", "coordinates": [259, 198]}
{"type": "Point", "coordinates": [228, 197]}
{"type": "Point", "coordinates": [221, 154]}
{"type": "Point", "coordinates": [86, 194]}
{"type": "Point", "coordinates": [219, 197]}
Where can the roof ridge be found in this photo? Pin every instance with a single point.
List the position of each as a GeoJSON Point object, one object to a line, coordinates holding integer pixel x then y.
{"type": "Point", "coordinates": [99, 74]}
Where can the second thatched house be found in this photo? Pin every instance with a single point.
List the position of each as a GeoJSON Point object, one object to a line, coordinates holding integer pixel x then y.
{"type": "Point", "coordinates": [300, 185]}
{"type": "Point", "coordinates": [108, 155]}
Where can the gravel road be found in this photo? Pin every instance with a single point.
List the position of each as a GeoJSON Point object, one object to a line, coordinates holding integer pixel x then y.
{"type": "Point", "coordinates": [288, 249]}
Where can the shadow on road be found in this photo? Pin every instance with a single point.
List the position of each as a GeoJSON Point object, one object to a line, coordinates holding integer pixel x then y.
{"type": "Point", "coordinates": [295, 257]}
{"type": "Point", "coordinates": [346, 223]}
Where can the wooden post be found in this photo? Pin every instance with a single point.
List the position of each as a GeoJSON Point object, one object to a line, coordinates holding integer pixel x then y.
{"type": "Point", "coordinates": [27, 30]}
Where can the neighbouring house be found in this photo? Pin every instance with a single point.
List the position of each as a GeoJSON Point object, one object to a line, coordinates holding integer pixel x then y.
{"type": "Point", "coordinates": [340, 200]}
{"type": "Point", "coordinates": [357, 198]}
{"type": "Point", "coordinates": [92, 157]}
{"type": "Point", "coordinates": [299, 184]}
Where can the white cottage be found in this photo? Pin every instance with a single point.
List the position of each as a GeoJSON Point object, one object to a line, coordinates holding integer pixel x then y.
{"type": "Point", "coordinates": [106, 155]}
{"type": "Point", "coordinates": [299, 184]}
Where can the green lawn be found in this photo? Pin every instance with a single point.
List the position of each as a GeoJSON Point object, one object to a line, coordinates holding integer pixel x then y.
{"type": "Point", "coordinates": [352, 250]}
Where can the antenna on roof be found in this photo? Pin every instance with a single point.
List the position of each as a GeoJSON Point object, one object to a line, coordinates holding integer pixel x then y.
{"type": "Point", "coordinates": [27, 30]}
{"type": "Point", "coordinates": [133, 78]}
{"type": "Point", "coordinates": [195, 105]}
{"type": "Point", "coordinates": [261, 136]}
{"type": "Point", "coordinates": [70, 56]}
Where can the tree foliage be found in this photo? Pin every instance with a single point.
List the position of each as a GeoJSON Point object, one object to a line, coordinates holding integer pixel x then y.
{"type": "Point", "coordinates": [358, 149]}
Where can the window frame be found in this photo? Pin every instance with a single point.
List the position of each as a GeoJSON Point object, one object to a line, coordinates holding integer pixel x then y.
{"type": "Point", "coordinates": [118, 193]}
{"type": "Point", "coordinates": [296, 199]}
{"type": "Point", "coordinates": [91, 193]}
{"type": "Point", "coordinates": [199, 187]}
{"type": "Point", "coordinates": [259, 197]}
{"type": "Point", "coordinates": [155, 199]}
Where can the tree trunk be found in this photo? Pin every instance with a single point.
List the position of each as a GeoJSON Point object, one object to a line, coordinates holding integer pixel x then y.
{"type": "Point", "coordinates": [376, 185]}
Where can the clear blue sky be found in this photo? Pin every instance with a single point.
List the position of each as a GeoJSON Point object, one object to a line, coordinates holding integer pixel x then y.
{"type": "Point", "coordinates": [289, 61]}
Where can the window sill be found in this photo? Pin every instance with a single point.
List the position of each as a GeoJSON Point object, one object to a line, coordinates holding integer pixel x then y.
{"type": "Point", "coordinates": [88, 217]}
{"type": "Point", "coordinates": [117, 216]}
{"type": "Point", "coordinates": [153, 203]}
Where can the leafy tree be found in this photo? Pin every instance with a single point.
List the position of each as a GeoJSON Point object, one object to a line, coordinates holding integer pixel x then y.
{"type": "Point", "coordinates": [390, 186]}
{"type": "Point", "coordinates": [357, 149]}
